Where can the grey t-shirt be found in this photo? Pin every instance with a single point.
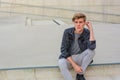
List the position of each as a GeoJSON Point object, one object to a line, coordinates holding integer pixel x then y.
{"type": "Point", "coordinates": [75, 49]}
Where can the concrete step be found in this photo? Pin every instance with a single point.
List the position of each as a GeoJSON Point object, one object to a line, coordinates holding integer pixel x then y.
{"type": "Point", "coordinates": [100, 72]}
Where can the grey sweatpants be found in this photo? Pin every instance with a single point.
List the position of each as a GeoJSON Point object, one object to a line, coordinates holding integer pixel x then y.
{"type": "Point", "coordinates": [82, 60]}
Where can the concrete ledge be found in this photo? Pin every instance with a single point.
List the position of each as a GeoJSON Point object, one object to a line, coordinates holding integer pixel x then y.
{"type": "Point", "coordinates": [44, 67]}
{"type": "Point", "coordinates": [103, 72]}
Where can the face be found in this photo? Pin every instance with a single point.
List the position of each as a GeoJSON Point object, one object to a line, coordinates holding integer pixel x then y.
{"type": "Point", "coordinates": [79, 24]}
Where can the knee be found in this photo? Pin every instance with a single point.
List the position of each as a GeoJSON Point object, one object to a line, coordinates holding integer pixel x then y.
{"type": "Point", "coordinates": [91, 52]}
{"type": "Point", "coordinates": [62, 63]}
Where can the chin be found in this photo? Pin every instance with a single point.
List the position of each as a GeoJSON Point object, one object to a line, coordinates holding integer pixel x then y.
{"type": "Point", "coordinates": [79, 28]}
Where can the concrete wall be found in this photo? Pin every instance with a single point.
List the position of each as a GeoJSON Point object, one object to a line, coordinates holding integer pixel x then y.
{"type": "Point", "coordinates": [96, 10]}
{"type": "Point", "coordinates": [37, 44]}
{"type": "Point", "coordinates": [65, 3]}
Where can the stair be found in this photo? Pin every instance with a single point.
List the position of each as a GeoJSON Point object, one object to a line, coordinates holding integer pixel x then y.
{"type": "Point", "coordinates": [99, 72]}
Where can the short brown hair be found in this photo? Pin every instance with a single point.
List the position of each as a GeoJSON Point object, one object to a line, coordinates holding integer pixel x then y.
{"type": "Point", "coordinates": [79, 15]}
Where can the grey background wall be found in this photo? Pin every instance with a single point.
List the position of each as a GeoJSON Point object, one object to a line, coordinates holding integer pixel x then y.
{"type": "Point", "coordinates": [38, 44]}
{"type": "Point", "coordinates": [96, 10]}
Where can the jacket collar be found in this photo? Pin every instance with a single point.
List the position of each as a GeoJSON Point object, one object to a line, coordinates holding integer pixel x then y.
{"type": "Point", "coordinates": [82, 34]}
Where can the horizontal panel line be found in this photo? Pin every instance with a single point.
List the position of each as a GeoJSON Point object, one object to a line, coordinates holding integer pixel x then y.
{"type": "Point", "coordinates": [102, 64]}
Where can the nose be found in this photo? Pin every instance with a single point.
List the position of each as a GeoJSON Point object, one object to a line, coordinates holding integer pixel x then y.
{"type": "Point", "coordinates": [78, 24]}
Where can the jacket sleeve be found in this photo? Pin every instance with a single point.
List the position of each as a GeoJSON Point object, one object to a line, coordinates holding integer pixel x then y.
{"type": "Point", "coordinates": [91, 44]}
{"type": "Point", "coordinates": [64, 46]}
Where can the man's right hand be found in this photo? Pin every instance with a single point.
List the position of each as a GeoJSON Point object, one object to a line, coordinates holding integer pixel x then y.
{"type": "Point", "coordinates": [77, 69]}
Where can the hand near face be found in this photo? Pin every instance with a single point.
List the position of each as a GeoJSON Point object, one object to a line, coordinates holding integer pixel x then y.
{"type": "Point", "coordinates": [89, 25]}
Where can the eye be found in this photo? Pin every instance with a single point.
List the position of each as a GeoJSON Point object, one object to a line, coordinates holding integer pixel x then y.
{"type": "Point", "coordinates": [80, 22]}
{"type": "Point", "coordinates": [76, 21]}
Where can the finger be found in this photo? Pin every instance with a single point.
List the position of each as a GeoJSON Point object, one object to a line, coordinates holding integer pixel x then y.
{"type": "Point", "coordinates": [87, 22]}
{"type": "Point", "coordinates": [79, 72]}
{"type": "Point", "coordinates": [81, 69]}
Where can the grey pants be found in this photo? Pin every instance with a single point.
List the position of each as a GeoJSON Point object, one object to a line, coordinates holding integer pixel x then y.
{"type": "Point", "coordinates": [82, 60]}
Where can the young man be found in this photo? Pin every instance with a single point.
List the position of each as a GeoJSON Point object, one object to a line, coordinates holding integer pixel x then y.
{"type": "Point", "coordinates": [77, 48]}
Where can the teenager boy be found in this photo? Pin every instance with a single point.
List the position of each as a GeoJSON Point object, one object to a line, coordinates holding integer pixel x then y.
{"type": "Point", "coordinates": [77, 48]}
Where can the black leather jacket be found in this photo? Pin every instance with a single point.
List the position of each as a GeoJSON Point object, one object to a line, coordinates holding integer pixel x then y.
{"type": "Point", "coordinates": [83, 41]}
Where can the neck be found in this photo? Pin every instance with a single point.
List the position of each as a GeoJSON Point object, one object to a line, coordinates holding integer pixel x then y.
{"type": "Point", "coordinates": [79, 31]}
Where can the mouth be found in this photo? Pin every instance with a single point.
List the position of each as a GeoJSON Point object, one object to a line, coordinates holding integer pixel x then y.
{"type": "Point", "coordinates": [79, 27]}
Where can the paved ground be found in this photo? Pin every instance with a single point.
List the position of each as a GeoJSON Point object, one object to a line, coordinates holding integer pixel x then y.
{"type": "Point", "coordinates": [103, 72]}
